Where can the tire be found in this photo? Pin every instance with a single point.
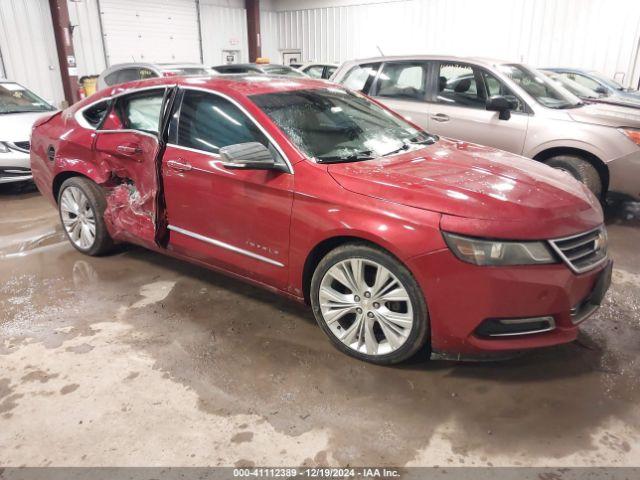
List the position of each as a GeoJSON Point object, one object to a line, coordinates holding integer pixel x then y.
{"type": "Point", "coordinates": [338, 308]}
{"type": "Point", "coordinates": [73, 192]}
{"type": "Point", "coordinates": [580, 169]}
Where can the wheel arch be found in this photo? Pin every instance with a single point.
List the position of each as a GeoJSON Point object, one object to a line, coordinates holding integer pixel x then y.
{"type": "Point", "coordinates": [319, 251]}
{"type": "Point", "coordinates": [60, 178]}
{"type": "Point", "coordinates": [598, 164]}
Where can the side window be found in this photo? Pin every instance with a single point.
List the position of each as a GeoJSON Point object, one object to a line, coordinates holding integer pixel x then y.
{"type": "Point", "coordinates": [330, 71]}
{"type": "Point", "coordinates": [495, 86]}
{"type": "Point", "coordinates": [95, 114]}
{"type": "Point", "coordinates": [457, 85]}
{"type": "Point", "coordinates": [402, 80]}
{"type": "Point", "coordinates": [314, 71]}
{"type": "Point", "coordinates": [361, 77]}
{"type": "Point", "coordinates": [209, 122]}
{"type": "Point", "coordinates": [141, 111]}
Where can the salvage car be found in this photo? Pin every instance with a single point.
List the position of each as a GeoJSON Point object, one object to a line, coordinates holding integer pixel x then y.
{"type": "Point", "coordinates": [607, 89]}
{"type": "Point", "coordinates": [129, 72]}
{"type": "Point", "coordinates": [511, 107]}
{"type": "Point", "coordinates": [19, 108]}
{"type": "Point", "coordinates": [401, 241]}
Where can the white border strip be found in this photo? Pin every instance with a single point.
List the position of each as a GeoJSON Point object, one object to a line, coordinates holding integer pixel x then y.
{"type": "Point", "coordinates": [220, 244]}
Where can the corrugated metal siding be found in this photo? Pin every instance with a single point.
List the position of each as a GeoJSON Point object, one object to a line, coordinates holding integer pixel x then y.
{"type": "Point", "coordinates": [150, 30]}
{"type": "Point", "coordinates": [29, 47]}
{"type": "Point", "coordinates": [269, 35]}
{"type": "Point", "coordinates": [223, 28]}
{"type": "Point", "coordinates": [595, 34]}
{"type": "Point", "coordinates": [87, 38]}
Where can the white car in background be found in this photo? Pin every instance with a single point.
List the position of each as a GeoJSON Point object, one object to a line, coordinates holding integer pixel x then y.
{"type": "Point", "coordinates": [19, 109]}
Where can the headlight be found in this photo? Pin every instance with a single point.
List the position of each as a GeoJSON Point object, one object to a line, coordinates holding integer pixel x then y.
{"type": "Point", "coordinates": [632, 134]}
{"type": "Point", "coordinates": [495, 252]}
{"type": "Point", "coordinates": [4, 148]}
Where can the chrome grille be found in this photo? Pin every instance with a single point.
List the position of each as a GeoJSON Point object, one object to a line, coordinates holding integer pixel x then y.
{"type": "Point", "coordinates": [584, 251]}
{"type": "Point", "coordinates": [22, 146]}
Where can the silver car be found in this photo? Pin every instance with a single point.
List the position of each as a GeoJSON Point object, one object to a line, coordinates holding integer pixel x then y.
{"type": "Point", "coordinates": [19, 108]}
{"type": "Point", "coordinates": [511, 107]}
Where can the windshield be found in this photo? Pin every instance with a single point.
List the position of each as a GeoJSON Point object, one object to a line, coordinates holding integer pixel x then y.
{"type": "Point", "coordinates": [15, 98]}
{"type": "Point", "coordinates": [574, 87]}
{"type": "Point", "coordinates": [607, 81]}
{"type": "Point", "coordinates": [334, 125]}
{"type": "Point", "coordinates": [540, 87]}
{"type": "Point", "coordinates": [286, 71]}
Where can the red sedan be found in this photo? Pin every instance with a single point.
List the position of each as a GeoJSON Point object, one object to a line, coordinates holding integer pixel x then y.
{"type": "Point", "coordinates": [398, 239]}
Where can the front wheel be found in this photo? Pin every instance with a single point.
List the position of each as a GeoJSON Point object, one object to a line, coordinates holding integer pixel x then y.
{"type": "Point", "coordinates": [579, 169]}
{"type": "Point", "coordinates": [369, 304]}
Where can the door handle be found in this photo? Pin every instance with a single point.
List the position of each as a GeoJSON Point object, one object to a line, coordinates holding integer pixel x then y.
{"type": "Point", "coordinates": [440, 117]}
{"type": "Point", "coordinates": [178, 165]}
{"type": "Point", "coordinates": [129, 149]}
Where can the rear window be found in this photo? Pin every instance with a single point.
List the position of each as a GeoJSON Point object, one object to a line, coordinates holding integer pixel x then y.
{"type": "Point", "coordinates": [184, 71]}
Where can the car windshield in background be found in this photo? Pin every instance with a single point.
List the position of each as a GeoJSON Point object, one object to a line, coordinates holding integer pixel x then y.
{"type": "Point", "coordinates": [15, 98]}
{"type": "Point", "coordinates": [288, 72]}
{"type": "Point", "coordinates": [574, 87]}
{"type": "Point", "coordinates": [540, 87]}
{"type": "Point", "coordinates": [334, 125]}
{"type": "Point", "coordinates": [607, 81]}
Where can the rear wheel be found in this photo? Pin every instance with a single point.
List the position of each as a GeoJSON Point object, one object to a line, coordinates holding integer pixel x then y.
{"type": "Point", "coordinates": [369, 304]}
{"type": "Point", "coordinates": [579, 169]}
{"type": "Point", "coordinates": [81, 204]}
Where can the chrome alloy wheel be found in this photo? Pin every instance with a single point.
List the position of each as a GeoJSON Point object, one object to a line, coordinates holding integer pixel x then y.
{"type": "Point", "coordinates": [78, 217]}
{"type": "Point", "coordinates": [365, 306]}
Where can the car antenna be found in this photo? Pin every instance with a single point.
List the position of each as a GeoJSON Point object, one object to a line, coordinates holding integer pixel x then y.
{"type": "Point", "coordinates": [380, 50]}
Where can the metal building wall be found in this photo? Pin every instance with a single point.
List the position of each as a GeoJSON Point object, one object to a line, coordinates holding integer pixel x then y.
{"type": "Point", "coordinates": [150, 30]}
{"type": "Point", "coordinates": [224, 27]}
{"type": "Point", "coordinates": [595, 34]}
{"type": "Point", "coordinates": [87, 36]}
{"type": "Point", "coordinates": [29, 48]}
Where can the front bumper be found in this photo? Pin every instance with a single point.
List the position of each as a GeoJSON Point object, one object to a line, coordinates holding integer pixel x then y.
{"type": "Point", "coordinates": [15, 167]}
{"type": "Point", "coordinates": [624, 175]}
{"type": "Point", "coordinates": [461, 297]}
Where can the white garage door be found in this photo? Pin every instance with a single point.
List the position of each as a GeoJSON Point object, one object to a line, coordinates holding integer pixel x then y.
{"type": "Point", "coordinates": [150, 30]}
{"type": "Point", "coordinates": [28, 47]}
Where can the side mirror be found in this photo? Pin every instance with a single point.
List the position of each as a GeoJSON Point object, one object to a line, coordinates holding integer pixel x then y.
{"type": "Point", "coordinates": [501, 104]}
{"type": "Point", "coordinates": [249, 156]}
{"type": "Point", "coordinates": [600, 90]}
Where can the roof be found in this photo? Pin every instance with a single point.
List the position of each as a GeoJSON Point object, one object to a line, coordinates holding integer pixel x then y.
{"type": "Point", "coordinates": [233, 84]}
{"type": "Point", "coordinates": [447, 58]}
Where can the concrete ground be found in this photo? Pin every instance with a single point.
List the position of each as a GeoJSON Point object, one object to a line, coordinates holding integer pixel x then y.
{"type": "Point", "coordinates": [138, 359]}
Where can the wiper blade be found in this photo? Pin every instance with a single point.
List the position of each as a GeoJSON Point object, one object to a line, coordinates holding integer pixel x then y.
{"type": "Point", "coordinates": [354, 157]}
{"type": "Point", "coordinates": [405, 146]}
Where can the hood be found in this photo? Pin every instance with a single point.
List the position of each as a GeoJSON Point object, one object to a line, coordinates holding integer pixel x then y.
{"type": "Point", "coordinates": [467, 180]}
{"type": "Point", "coordinates": [606, 114]}
{"type": "Point", "coordinates": [622, 101]}
{"type": "Point", "coordinates": [16, 127]}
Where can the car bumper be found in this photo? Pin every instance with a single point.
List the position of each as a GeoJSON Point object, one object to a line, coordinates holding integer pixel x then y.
{"type": "Point", "coordinates": [624, 175]}
{"type": "Point", "coordinates": [461, 297]}
{"type": "Point", "coordinates": [15, 167]}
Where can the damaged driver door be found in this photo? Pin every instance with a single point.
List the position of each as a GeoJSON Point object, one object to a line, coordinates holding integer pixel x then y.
{"type": "Point", "coordinates": [128, 144]}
